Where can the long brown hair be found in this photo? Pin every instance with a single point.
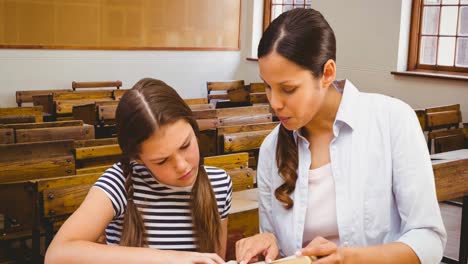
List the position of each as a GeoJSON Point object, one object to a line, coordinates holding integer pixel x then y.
{"type": "Point", "coordinates": [149, 105]}
{"type": "Point", "coordinates": [304, 37]}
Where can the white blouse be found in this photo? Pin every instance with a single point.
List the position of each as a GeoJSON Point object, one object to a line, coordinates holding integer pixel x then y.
{"type": "Point", "coordinates": [385, 190]}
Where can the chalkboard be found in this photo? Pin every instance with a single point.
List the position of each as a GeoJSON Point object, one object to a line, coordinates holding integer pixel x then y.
{"type": "Point", "coordinates": [120, 24]}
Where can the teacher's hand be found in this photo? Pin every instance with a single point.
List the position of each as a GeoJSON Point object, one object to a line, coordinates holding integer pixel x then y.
{"type": "Point", "coordinates": [249, 248]}
{"type": "Point", "coordinates": [328, 251]}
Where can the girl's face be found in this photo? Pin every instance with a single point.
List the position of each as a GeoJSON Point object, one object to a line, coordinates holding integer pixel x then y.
{"type": "Point", "coordinates": [172, 154]}
{"type": "Point", "coordinates": [294, 94]}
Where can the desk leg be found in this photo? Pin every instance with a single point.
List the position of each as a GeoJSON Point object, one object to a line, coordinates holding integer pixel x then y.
{"type": "Point", "coordinates": [463, 254]}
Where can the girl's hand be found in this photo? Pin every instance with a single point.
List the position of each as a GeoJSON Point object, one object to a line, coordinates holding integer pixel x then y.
{"type": "Point", "coordinates": [328, 251]}
{"type": "Point", "coordinates": [248, 248]}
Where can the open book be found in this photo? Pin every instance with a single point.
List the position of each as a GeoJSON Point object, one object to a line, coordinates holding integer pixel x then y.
{"type": "Point", "coordinates": [288, 260]}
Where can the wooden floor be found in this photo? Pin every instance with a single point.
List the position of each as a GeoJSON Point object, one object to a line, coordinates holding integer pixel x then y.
{"type": "Point", "coordinates": [451, 215]}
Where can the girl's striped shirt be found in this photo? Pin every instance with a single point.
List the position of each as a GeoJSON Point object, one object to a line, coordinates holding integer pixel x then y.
{"type": "Point", "coordinates": [165, 209]}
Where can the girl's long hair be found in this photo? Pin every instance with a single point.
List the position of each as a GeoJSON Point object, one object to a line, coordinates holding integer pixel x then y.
{"type": "Point", "coordinates": [144, 109]}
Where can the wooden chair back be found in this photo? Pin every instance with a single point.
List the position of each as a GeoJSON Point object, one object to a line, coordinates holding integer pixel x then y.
{"type": "Point", "coordinates": [65, 107]}
{"type": "Point", "coordinates": [45, 124]}
{"type": "Point", "coordinates": [35, 111]}
{"type": "Point", "coordinates": [79, 85]}
{"type": "Point", "coordinates": [83, 95]}
{"type": "Point", "coordinates": [46, 101]}
{"type": "Point", "coordinates": [443, 117]}
{"type": "Point", "coordinates": [257, 87]}
{"type": "Point", "coordinates": [421, 114]}
{"type": "Point", "coordinates": [447, 140]}
{"type": "Point", "coordinates": [220, 90]}
{"type": "Point", "coordinates": [258, 98]}
{"type": "Point", "coordinates": [195, 101]}
{"type": "Point", "coordinates": [117, 94]}
{"type": "Point", "coordinates": [244, 141]}
{"type": "Point", "coordinates": [25, 161]}
{"type": "Point", "coordinates": [25, 151]}
{"type": "Point", "coordinates": [16, 206]}
{"type": "Point", "coordinates": [7, 135]}
{"type": "Point", "coordinates": [84, 131]}
{"type": "Point", "coordinates": [96, 156]}
{"type": "Point", "coordinates": [245, 120]}
{"type": "Point", "coordinates": [27, 96]}
{"type": "Point", "coordinates": [229, 161]}
{"type": "Point", "coordinates": [57, 199]}
{"type": "Point", "coordinates": [242, 179]}
{"type": "Point", "coordinates": [17, 119]}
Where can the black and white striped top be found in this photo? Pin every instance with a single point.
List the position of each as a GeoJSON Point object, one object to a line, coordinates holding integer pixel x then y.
{"type": "Point", "coordinates": [165, 210]}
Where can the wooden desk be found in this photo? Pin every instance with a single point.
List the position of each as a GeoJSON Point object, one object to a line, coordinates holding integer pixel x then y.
{"type": "Point", "coordinates": [243, 219]}
{"type": "Point", "coordinates": [451, 180]}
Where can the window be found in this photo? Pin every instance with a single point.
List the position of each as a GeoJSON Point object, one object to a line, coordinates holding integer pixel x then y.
{"type": "Point", "coordinates": [439, 36]}
{"type": "Point", "coordinates": [274, 8]}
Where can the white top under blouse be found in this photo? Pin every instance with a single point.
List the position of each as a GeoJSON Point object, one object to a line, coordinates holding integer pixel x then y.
{"type": "Point", "coordinates": [321, 208]}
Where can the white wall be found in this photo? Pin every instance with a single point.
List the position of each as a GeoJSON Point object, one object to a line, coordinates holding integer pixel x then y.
{"type": "Point", "coordinates": [368, 43]}
{"type": "Point", "coordinates": [368, 34]}
{"type": "Point", "coordinates": [187, 71]}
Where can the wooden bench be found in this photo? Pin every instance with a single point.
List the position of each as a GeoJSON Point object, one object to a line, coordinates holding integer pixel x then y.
{"type": "Point", "coordinates": [442, 117]}
{"type": "Point", "coordinates": [195, 101]}
{"type": "Point", "coordinates": [84, 131]}
{"type": "Point", "coordinates": [27, 96]}
{"type": "Point", "coordinates": [8, 133]}
{"type": "Point", "coordinates": [447, 140]}
{"type": "Point", "coordinates": [243, 219]}
{"type": "Point", "coordinates": [208, 123]}
{"type": "Point", "coordinates": [78, 85]}
{"type": "Point", "coordinates": [229, 161]}
{"type": "Point", "coordinates": [201, 106]}
{"type": "Point", "coordinates": [57, 199]}
{"type": "Point", "coordinates": [25, 161]}
{"type": "Point", "coordinates": [44, 124]}
{"type": "Point", "coordinates": [117, 94]}
{"type": "Point", "coordinates": [16, 119]}
{"type": "Point", "coordinates": [46, 101]}
{"type": "Point", "coordinates": [234, 91]}
{"type": "Point", "coordinates": [243, 111]}
{"type": "Point", "coordinates": [95, 142]}
{"type": "Point", "coordinates": [222, 130]}
{"type": "Point", "coordinates": [421, 114]}
{"type": "Point", "coordinates": [85, 165]}
{"type": "Point", "coordinates": [90, 157]}
{"type": "Point", "coordinates": [83, 95]}
{"type": "Point", "coordinates": [35, 111]}
{"type": "Point", "coordinates": [100, 114]}
{"type": "Point", "coordinates": [209, 119]}
{"type": "Point", "coordinates": [16, 206]}
{"type": "Point", "coordinates": [245, 120]}
{"type": "Point", "coordinates": [103, 112]}
{"type": "Point", "coordinates": [231, 112]}
{"type": "Point", "coordinates": [244, 141]}
{"type": "Point", "coordinates": [61, 103]}
{"type": "Point", "coordinates": [16, 210]}
{"type": "Point", "coordinates": [257, 87]}
{"type": "Point", "coordinates": [242, 179]}
{"type": "Point", "coordinates": [258, 98]}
